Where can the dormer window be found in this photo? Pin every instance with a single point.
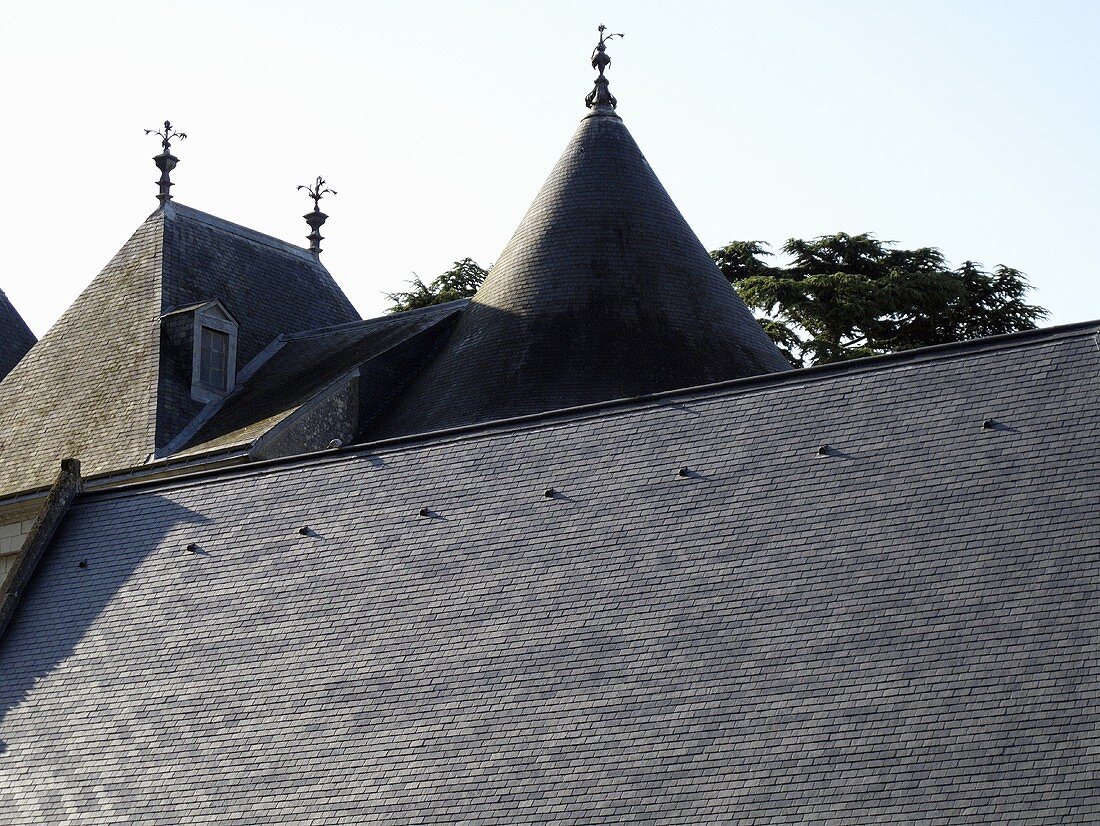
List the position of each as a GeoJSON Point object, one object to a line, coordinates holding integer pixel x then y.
{"type": "Point", "coordinates": [214, 351]}
{"type": "Point", "coordinates": [214, 359]}
{"type": "Point", "coordinates": [199, 343]}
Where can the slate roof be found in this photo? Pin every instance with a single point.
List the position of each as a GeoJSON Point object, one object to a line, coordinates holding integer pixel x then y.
{"type": "Point", "coordinates": [904, 629]}
{"type": "Point", "coordinates": [16, 337]}
{"type": "Point", "coordinates": [603, 292]}
{"type": "Point", "coordinates": [97, 386]}
{"type": "Point", "coordinates": [268, 285]}
{"type": "Point", "coordinates": [295, 368]}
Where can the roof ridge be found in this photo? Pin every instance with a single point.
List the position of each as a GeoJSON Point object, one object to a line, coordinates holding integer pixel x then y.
{"type": "Point", "coordinates": [161, 241]}
{"type": "Point", "coordinates": [247, 233]}
{"type": "Point", "coordinates": [920, 355]}
{"type": "Point", "coordinates": [924, 355]}
{"type": "Point", "coordinates": [381, 319]}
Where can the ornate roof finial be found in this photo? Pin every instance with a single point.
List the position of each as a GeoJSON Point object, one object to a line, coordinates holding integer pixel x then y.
{"type": "Point", "coordinates": [165, 161]}
{"type": "Point", "coordinates": [601, 97]}
{"type": "Point", "coordinates": [315, 219]}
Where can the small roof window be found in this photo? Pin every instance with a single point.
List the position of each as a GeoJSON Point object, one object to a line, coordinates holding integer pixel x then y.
{"type": "Point", "coordinates": [214, 351]}
{"type": "Point", "coordinates": [213, 358]}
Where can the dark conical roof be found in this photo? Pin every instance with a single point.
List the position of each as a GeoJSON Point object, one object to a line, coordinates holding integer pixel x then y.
{"type": "Point", "coordinates": [603, 292]}
{"type": "Point", "coordinates": [16, 337]}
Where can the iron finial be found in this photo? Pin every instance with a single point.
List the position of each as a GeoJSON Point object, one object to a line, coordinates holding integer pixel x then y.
{"type": "Point", "coordinates": [165, 161]}
{"type": "Point", "coordinates": [601, 95]}
{"type": "Point", "coordinates": [317, 190]}
{"type": "Point", "coordinates": [166, 135]}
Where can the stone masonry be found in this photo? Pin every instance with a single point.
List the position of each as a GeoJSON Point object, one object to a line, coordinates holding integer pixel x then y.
{"type": "Point", "coordinates": [12, 537]}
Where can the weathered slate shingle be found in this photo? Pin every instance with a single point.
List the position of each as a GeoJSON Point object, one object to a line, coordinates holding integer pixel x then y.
{"type": "Point", "coordinates": [603, 292]}
{"type": "Point", "coordinates": [297, 367]}
{"type": "Point", "coordinates": [96, 387]}
{"type": "Point", "coordinates": [88, 389]}
{"type": "Point", "coordinates": [903, 630]}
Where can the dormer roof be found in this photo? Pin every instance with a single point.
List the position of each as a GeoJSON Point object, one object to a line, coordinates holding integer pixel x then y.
{"type": "Point", "coordinates": [213, 307]}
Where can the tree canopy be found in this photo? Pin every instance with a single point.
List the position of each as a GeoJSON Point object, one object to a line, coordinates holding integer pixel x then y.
{"type": "Point", "coordinates": [841, 296]}
{"type": "Point", "coordinates": [460, 281]}
{"type": "Point", "coordinates": [845, 296]}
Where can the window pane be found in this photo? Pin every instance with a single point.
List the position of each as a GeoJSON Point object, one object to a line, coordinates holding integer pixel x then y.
{"type": "Point", "coordinates": [214, 358]}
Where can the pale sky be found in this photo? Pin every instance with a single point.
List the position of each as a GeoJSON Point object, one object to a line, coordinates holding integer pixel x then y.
{"type": "Point", "coordinates": [969, 126]}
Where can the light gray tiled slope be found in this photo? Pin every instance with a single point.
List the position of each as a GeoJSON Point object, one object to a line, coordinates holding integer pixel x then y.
{"type": "Point", "coordinates": [16, 337]}
{"type": "Point", "coordinates": [904, 631]}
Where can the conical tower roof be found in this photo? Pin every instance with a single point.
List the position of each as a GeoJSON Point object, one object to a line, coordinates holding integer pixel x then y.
{"type": "Point", "coordinates": [16, 337]}
{"type": "Point", "coordinates": [603, 292]}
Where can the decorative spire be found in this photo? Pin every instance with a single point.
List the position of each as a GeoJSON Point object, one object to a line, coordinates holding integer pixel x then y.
{"type": "Point", "coordinates": [601, 97]}
{"type": "Point", "coordinates": [315, 219]}
{"type": "Point", "coordinates": [165, 161]}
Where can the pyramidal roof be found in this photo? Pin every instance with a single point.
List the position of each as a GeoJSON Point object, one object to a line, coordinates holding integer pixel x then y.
{"type": "Point", "coordinates": [603, 292]}
{"type": "Point", "coordinates": [16, 337]}
{"type": "Point", "coordinates": [99, 386]}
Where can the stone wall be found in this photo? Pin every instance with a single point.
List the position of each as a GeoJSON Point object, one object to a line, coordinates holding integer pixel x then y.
{"type": "Point", "coordinates": [12, 536]}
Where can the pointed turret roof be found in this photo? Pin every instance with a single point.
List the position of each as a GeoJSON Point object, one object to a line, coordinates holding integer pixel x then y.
{"type": "Point", "coordinates": [603, 292]}
{"type": "Point", "coordinates": [16, 337]}
{"type": "Point", "coordinates": [102, 384]}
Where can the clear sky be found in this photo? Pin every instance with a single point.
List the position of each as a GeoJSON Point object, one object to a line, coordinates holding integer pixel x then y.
{"type": "Point", "coordinates": [970, 126]}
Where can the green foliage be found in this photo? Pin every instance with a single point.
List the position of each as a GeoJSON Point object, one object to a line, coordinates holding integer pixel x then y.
{"type": "Point", "coordinates": [845, 296]}
{"type": "Point", "coordinates": [460, 281]}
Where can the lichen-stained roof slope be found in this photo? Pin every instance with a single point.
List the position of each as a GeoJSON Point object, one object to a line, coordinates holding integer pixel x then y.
{"type": "Point", "coordinates": [603, 292]}
{"type": "Point", "coordinates": [91, 388]}
{"type": "Point", "coordinates": [16, 337]}
{"type": "Point", "coordinates": [903, 630]}
{"type": "Point", "coordinates": [303, 364]}
{"type": "Point", "coordinates": [88, 389]}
